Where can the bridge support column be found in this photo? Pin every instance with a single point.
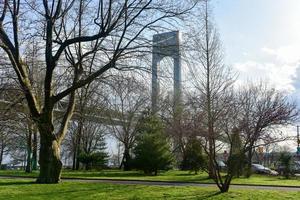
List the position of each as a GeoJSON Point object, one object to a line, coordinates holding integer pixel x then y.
{"type": "Point", "coordinates": [166, 45]}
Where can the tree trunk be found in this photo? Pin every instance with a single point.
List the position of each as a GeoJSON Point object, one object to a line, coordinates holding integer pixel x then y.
{"type": "Point", "coordinates": [211, 165]}
{"type": "Point", "coordinates": [88, 166]}
{"type": "Point", "coordinates": [249, 164]}
{"type": "Point", "coordinates": [224, 188]}
{"type": "Point", "coordinates": [34, 150]}
{"type": "Point", "coordinates": [74, 159]}
{"type": "Point", "coordinates": [49, 159]}
{"type": "Point", "coordinates": [122, 162]}
{"type": "Point", "coordinates": [1, 155]}
{"type": "Point", "coordinates": [75, 152]}
{"type": "Point", "coordinates": [78, 143]}
{"type": "Point", "coordinates": [127, 159]}
{"type": "Point", "coordinates": [28, 168]}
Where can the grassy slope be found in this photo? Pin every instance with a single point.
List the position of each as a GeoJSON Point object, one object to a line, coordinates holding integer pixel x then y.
{"type": "Point", "coordinates": [166, 176]}
{"type": "Point", "coordinates": [22, 189]}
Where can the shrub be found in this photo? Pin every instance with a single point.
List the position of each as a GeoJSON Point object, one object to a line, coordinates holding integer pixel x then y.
{"type": "Point", "coordinates": [193, 158]}
{"type": "Point", "coordinates": [93, 160]}
{"type": "Point", "coordinates": [152, 152]}
{"type": "Point", "coordinates": [286, 162]}
{"type": "Point", "coordinates": [236, 159]}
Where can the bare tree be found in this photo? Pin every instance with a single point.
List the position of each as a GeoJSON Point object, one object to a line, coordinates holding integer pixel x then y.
{"type": "Point", "coordinates": [88, 106]}
{"type": "Point", "coordinates": [180, 125]}
{"type": "Point", "coordinates": [213, 85]}
{"type": "Point", "coordinates": [263, 110]}
{"type": "Point", "coordinates": [111, 28]}
{"type": "Point", "coordinates": [128, 97]}
{"type": "Point", "coordinates": [12, 123]}
{"type": "Point", "coordinates": [5, 140]}
{"type": "Point", "coordinates": [86, 129]}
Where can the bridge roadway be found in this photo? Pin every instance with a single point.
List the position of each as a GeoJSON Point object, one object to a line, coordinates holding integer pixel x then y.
{"type": "Point", "coordinates": [60, 110]}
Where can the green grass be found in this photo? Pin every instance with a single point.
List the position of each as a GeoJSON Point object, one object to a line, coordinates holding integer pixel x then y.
{"type": "Point", "coordinates": [172, 175]}
{"type": "Point", "coordinates": [24, 189]}
{"type": "Point", "coordinates": [267, 180]}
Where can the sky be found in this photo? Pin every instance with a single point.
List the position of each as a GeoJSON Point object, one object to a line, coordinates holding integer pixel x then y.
{"type": "Point", "coordinates": [261, 39]}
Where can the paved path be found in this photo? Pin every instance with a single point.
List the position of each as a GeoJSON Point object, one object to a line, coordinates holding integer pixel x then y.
{"type": "Point", "coordinates": [166, 183]}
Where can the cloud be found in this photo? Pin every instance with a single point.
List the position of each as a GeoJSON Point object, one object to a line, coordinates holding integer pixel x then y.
{"type": "Point", "coordinates": [285, 54]}
{"type": "Point", "coordinates": [280, 76]}
{"type": "Point", "coordinates": [276, 66]}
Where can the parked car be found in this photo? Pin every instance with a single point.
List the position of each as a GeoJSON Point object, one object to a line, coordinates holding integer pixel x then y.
{"type": "Point", "coordinates": [273, 172]}
{"type": "Point", "coordinates": [221, 164]}
{"type": "Point", "coordinates": [295, 168]}
{"type": "Point", "coordinates": [260, 169]}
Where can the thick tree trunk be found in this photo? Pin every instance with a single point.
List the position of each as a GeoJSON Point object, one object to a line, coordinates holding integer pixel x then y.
{"type": "Point", "coordinates": [49, 159]}
{"type": "Point", "coordinates": [224, 188]}
{"type": "Point", "coordinates": [226, 184]}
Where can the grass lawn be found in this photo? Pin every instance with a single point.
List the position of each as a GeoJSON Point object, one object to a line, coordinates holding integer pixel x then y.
{"type": "Point", "coordinates": [24, 189]}
{"type": "Point", "coordinates": [172, 175]}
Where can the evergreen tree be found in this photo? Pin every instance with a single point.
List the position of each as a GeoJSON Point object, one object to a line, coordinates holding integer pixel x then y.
{"type": "Point", "coordinates": [93, 160]}
{"type": "Point", "coordinates": [193, 158]}
{"type": "Point", "coordinates": [93, 154]}
{"type": "Point", "coordinates": [286, 161]}
{"type": "Point", "coordinates": [236, 160]}
{"type": "Point", "coordinates": [152, 152]}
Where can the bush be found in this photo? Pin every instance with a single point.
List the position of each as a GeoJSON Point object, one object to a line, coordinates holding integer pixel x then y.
{"type": "Point", "coordinates": [193, 158]}
{"type": "Point", "coordinates": [93, 160]}
{"type": "Point", "coordinates": [236, 160]}
{"type": "Point", "coordinates": [3, 167]}
{"type": "Point", "coordinates": [286, 162]}
{"type": "Point", "coordinates": [152, 152]}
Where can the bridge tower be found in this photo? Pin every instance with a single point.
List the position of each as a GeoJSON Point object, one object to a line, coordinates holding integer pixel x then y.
{"type": "Point", "coordinates": [166, 45]}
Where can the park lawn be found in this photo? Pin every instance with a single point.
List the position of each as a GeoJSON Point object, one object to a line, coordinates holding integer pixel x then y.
{"type": "Point", "coordinates": [172, 175]}
{"type": "Point", "coordinates": [267, 180]}
{"type": "Point", "coordinates": [24, 189]}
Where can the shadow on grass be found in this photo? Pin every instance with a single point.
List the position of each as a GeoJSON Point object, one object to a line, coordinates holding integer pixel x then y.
{"type": "Point", "coordinates": [107, 175]}
{"type": "Point", "coordinates": [187, 174]}
{"type": "Point", "coordinates": [9, 183]}
{"type": "Point", "coordinates": [211, 194]}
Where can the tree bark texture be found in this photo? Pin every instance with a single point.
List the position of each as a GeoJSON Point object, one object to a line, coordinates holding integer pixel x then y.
{"type": "Point", "coordinates": [49, 158]}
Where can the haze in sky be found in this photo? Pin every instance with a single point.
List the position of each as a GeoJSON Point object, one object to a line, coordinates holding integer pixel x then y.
{"type": "Point", "coordinates": [262, 40]}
